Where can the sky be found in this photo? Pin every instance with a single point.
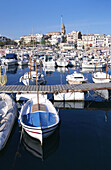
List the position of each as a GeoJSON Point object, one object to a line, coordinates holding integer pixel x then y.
{"type": "Point", "coordinates": [23, 17]}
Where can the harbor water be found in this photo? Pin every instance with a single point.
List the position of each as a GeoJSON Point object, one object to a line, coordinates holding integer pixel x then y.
{"type": "Point", "coordinates": [82, 140]}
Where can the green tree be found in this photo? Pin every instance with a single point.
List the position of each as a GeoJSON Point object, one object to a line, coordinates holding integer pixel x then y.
{"type": "Point", "coordinates": [43, 41]}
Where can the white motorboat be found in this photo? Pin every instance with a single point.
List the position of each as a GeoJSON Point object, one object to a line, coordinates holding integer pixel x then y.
{"type": "Point", "coordinates": [48, 61]}
{"type": "Point", "coordinates": [10, 59]}
{"type": "Point", "coordinates": [93, 65]}
{"type": "Point", "coordinates": [29, 78]}
{"type": "Point", "coordinates": [62, 62]}
{"type": "Point", "coordinates": [23, 61]}
{"type": "Point", "coordinates": [8, 114]}
{"type": "Point", "coordinates": [76, 78]}
{"type": "Point", "coordinates": [101, 77]}
{"type": "Point", "coordinates": [39, 119]}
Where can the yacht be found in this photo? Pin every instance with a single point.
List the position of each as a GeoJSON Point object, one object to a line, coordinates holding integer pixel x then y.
{"type": "Point", "coordinates": [76, 78]}
{"type": "Point", "coordinates": [10, 59]}
{"type": "Point", "coordinates": [101, 77]}
{"type": "Point", "coordinates": [62, 62]}
{"type": "Point", "coordinates": [48, 61]}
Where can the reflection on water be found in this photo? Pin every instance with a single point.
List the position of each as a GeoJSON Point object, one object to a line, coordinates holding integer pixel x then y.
{"type": "Point", "coordinates": [84, 141]}
{"type": "Point", "coordinates": [49, 70]}
{"type": "Point", "coordinates": [62, 69]}
{"type": "Point", "coordinates": [22, 66]}
{"type": "Point", "coordinates": [12, 69]}
{"type": "Point", "coordinates": [69, 105]}
{"type": "Point", "coordinates": [100, 105]}
{"type": "Point", "coordinates": [49, 146]}
{"type": "Point", "coordinates": [90, 70]}
{"type": "Point", "coordinates": [89, 105]}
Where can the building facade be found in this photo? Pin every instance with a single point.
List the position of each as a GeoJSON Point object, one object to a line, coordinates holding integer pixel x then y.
{"type": "Point", "coordinates": [73, 37]}
{"type": "Point", "coordinates": [28, 38]}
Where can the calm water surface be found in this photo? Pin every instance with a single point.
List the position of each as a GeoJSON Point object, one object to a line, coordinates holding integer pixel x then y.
{"type": "Point", "coordinates": [82, 141]}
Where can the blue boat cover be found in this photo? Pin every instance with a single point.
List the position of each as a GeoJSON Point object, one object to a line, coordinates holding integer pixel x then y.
{"type": "Point", "coordinates": [39, 119]}
{"type": "Point", "coordinates": [11, 56]}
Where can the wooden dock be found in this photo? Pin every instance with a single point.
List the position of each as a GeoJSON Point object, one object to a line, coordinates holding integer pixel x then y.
{"type": "Point", "coordinates": [55, 88]}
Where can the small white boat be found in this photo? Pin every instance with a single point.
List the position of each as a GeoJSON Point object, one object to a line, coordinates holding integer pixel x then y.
{"type": "Point", "coordinates": [62, 62]}
{"type": "Point", "coordinates": [30, 78]}
{"type": "Point", "coordinates": [76, 78]}
{"type": "Point", "coordinates": [101, 77]}
{"type": "Point", "coordinates": [39, 120]}
{"type": "Point", "coordinates": [48, 61]}
{"type": "Point", "coordinates": [23, 61]}
{"type": "Point", "coordinates": [8, 114]}
{"type": "Point", "coordinates": [93, 65]}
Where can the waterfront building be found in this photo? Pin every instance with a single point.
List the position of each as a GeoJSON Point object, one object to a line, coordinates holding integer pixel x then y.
{"type": "Point", "coordinates": [100, 40]}
{"type": "Point", "coordinates": [94, 40]}
{"type": "Point", "coordinates": [38, 37]}
{"type": "Point", "coordinates": [73, 37]}
{"type": "Point", "coordinates": [108, 41]}
{"type": "Point", "coordinates": [55, 39]}
{"type": "Point", "coordinates": [53, 33]}
{"type": "Point", "coordinates": [27, 38]}
{"type": "Point", "coordinates": [66, 46]}
{"type": "Point", "coordinates": [32, 37]}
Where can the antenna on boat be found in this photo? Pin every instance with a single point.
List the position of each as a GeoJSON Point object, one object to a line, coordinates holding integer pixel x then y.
{"type": "Point", "coordinates": [37, 87]}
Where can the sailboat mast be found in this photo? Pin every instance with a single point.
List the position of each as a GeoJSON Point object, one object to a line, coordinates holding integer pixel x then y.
{"type": "Point", "coordinates": [30, 65]}
{"type": "Point", "coordinates": [37, 87]}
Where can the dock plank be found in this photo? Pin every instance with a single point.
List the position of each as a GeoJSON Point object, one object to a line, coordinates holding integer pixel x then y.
{"type": "Point", "coordinates": [55, 88]}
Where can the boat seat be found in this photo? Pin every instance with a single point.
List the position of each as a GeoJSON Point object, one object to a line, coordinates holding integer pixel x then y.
{"type": "Point", "coordinates": [31, 119]}
{"type": "Point", "coordinates": [47, 119]}
{"type": "Point", "coordinates": [39, 119]}
{"type": "Point", "coordinates": [42, 107]}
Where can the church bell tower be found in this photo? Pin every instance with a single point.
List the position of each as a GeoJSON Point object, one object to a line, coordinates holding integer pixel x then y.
{"type": "Point", "coordinates": [63, 31]}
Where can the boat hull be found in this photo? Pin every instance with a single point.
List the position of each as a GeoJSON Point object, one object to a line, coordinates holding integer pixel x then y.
{"type": "Point", "coordinates": [100, 80]}
{"type": "Point", "coordinates": [39, 133]}
{"type": "Point", "coordinates": [39, 122]}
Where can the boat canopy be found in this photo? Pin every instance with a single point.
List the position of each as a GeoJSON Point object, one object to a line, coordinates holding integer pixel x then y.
{"type": "Point", "coordinates": [11, 56]}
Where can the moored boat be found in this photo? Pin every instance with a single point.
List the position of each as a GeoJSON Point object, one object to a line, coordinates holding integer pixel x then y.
{"type": "Point", "coordinates": [39, 120]}
{"type": "Point", "coordinates": [8, 114]}
{"type": "Point", "coordinates": [62, 62]}
{"type": "Point", "coordinates": [29, 78]}
{"type": "Point", "coordinates": [93, 65]}
{"type": "Point", "coordinates": [101, 77]}
{"type": "Point", "coordinates": [76, 78]}
{"type": "Point", "coordinates": [10, 59]}
{"type": "Point", "coordinates": [48, 61]}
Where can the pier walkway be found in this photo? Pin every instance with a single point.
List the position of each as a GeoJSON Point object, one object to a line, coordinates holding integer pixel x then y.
{"type": "Point", "coordinates": [55, 88]}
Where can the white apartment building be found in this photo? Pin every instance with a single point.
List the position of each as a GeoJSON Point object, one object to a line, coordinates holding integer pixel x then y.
{"type": "Point", "coordinates": [108, 41]}
{"type": "Point", "coordinates": [55, 39]}
{"type": "Point", "coordinates": [28, 38]}
{"type": "Point", "coordinates": [92, 40]}
{"type": "Point", "coordinates": [38, 37]}
{"type": "Point", "coordinates": [73, 37]}
{"type": "Point", "coordinates": [100, 40]}
{"type": "Point", "coordinates": [66, 46]}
